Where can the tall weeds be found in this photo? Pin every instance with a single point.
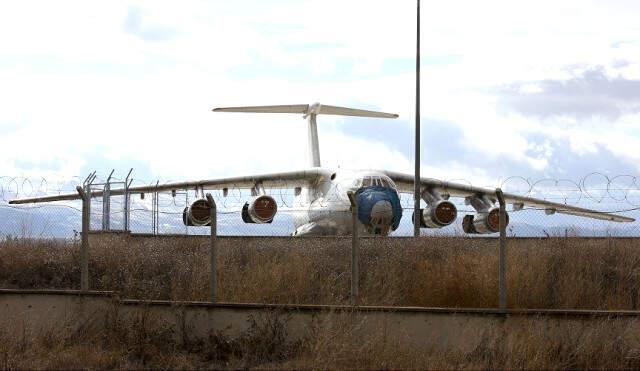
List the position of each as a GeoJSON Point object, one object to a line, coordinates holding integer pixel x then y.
{"type": "Point", "coordinates": [547, 273]}
{"type": "Point", "coordinates": [334, 341]}
{"type": "Point", "coordinates": [455, 272]}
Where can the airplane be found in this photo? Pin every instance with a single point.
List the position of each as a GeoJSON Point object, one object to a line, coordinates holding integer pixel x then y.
{"type": "Point", "coordinates": [321, 195]}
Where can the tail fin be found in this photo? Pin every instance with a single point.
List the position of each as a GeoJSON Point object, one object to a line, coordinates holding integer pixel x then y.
{"type": "Point", "coordinates": [310, 112]}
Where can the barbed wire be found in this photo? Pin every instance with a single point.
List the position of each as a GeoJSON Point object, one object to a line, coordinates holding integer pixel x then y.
{"type": "Point", "coordinates": [594, 187]}
{"type": "Point", "coordinates": [618, 194]}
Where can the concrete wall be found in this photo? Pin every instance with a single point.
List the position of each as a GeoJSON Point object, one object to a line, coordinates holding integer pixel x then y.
{"type": "Point", "coordinates": [35, 312]}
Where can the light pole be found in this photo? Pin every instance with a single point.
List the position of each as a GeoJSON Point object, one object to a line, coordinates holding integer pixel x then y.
{"type": "Point", "coordinates": [416, 191]}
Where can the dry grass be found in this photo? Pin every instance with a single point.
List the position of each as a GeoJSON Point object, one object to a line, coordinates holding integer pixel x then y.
{"type": "Point", "coordinates": [551, 273]}
{"type": "Point", "coordinates": [547, 273]}
{"type": "Point", "coordinates": [333, 342]}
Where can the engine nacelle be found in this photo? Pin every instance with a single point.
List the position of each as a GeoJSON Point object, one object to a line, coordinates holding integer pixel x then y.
{"type": "Point", "coordinates": [198, 214]}
{"type": "Point", "coordinates": [260, 209]}
{"type": "Point", "coordinates": [483, 222]}
{"type": "Point", "coordinates": [438, 215]}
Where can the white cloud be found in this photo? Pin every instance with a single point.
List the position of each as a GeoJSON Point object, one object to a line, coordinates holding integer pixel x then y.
{"type": "Point", "coordinates": [73, 79]}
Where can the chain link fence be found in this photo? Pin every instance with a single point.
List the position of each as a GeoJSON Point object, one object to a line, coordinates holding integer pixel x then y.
{"type": "Point", "coordinates": [162, 212]}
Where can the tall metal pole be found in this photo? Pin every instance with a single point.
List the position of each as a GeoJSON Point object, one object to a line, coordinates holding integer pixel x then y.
{"type": "Point", "coordinates": [416, 191]}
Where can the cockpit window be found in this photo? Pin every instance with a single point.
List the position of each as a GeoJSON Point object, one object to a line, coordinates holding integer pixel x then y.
{"type": "Point", "coordinates": [368, 181]}
{"type": "Point", "coordinates": [387, 182]}
{"type": "Point", "coordinates": [375, 181]}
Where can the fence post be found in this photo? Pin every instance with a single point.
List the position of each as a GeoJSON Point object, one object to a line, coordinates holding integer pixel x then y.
{"type": "Point", "coordinates": [503, 241]}
{"type": "Point", "coordinates": [213, 249]}
{"type": "Point", "coordinates": [106, 204]}
{"type": "Point", "coordinates": [355, 249]}
{"type": "Point", "coordinates": [127, 201]}
{"type": "Point", "coordinates": [84, 247]}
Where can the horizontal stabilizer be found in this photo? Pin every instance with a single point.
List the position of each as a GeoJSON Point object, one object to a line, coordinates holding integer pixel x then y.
{"type": "Point", "coordinates": [307, 109]}
{"type": "Point", "coordinates": [291, 108]}
{"type": "Point", "coordinates": [343, 111]}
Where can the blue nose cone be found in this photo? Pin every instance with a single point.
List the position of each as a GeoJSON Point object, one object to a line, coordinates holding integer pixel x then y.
{"type": "Point", "coordinates": [379, 207]}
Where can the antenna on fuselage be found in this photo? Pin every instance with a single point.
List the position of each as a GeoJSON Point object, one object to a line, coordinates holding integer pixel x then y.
{"type": "Point", "coordinates": [310, 112]}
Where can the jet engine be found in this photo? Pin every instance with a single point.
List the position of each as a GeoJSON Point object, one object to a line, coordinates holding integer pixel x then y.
{"type": "Point", "coordinates": [483, 222]}
{"type": "Point", "coordinates": [439, 214]}
{"type": "Point", "coordinates": [198, 214]}
{"type": "Point", "coordinates": [260, 209]}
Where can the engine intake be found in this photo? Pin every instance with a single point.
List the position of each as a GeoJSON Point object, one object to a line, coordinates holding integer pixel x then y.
{"type": "Point", "coordinates": [483, 222]}
{"type": "Point", "coordinates": [440, 214]}
{"type": "Point", "coordinates": [198, 214]}
{"type": "Point", "coordinates": [260, 209]}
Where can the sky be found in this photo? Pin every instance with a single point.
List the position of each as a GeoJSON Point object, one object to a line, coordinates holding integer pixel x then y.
{"type": "Point", "coordinates": [536, 89]}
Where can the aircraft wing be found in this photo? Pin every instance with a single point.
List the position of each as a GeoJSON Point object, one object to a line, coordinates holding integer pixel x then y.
{"type": "Point", "coordinates": [281, 180]}
{"type": "Point", "coordinates": [405, 184]}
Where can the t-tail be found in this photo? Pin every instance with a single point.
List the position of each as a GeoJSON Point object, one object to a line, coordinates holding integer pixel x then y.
{"type": "Point", "coordinates": [310, 111]}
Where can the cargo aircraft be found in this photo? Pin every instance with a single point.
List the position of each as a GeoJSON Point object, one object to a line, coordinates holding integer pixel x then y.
{"type": "Point", "coordinates": [321, 202]}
